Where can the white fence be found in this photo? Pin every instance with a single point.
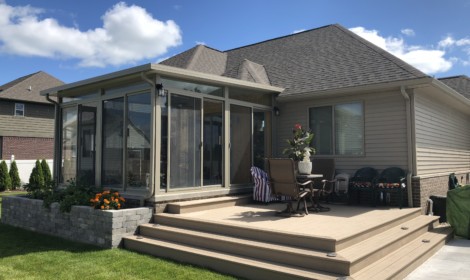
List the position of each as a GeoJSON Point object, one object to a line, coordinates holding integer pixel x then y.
{"type": "Point", "coordinates": [25, 167]}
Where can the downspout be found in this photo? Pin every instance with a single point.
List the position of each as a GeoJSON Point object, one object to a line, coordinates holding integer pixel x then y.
{"type": "Point", "coordinates": [153, 183]}
{"type": "Point", "coordinates": [409, 141]}
{"type": "Point", "coordinates": [55, 167]}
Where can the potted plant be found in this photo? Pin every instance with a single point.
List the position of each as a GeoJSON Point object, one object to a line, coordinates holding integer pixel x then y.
{"type": "Point", "coordinates": [299, 148]}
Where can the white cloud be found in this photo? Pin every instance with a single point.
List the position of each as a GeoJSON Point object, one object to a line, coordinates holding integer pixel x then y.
{"type": "Point", "coordinates": [200, 43]}
{"type": "Point", "coordinates": [428, 60]}
{"type": "Point", "coordinates": [408, 32]}
{"type": "Point", "coordinates": [128, 35]}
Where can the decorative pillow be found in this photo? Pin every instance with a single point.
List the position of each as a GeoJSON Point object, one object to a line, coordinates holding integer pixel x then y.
{"type": "Point", "coordinates": [388, 185]}
{"type": "Point", "coordinates": [361, 184]}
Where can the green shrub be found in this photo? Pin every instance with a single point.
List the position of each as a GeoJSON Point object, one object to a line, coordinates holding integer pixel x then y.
{"type": "Point", "coordinates": [36, 187]}
{"type": "Point", "coordinates": [46, 173]}
{"type": "Point", "coordinates": [14, 176]}
{"type": "Point", "coordinates": [5, 181]}
{"type": "Point", "coordinates": [73, 194]}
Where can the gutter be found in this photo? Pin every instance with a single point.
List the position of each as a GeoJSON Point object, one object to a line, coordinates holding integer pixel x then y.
{"type": "Point", "coordinates": [409, 140]}
{"type": "Point", "coordinates": [55, 167]}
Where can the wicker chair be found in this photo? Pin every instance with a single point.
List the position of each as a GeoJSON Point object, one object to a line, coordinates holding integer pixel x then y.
{"type": "Point", "coordinates": [363, 180]}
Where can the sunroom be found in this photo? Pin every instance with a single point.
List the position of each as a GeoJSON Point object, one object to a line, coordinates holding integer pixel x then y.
{"type": "Point", "coordinates": [158, 133]}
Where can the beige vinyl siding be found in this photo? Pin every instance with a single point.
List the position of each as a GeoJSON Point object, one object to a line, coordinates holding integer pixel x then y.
{"type": "Point", "coordinates": [442, 137]}
{"type": "Point", "coordinates": [385, 129]}
{"type": "Point", "coordinates": [26, 126]}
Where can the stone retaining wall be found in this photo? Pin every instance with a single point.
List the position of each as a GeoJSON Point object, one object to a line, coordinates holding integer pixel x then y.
{"type": "Point", "coordinates": [83, 224]}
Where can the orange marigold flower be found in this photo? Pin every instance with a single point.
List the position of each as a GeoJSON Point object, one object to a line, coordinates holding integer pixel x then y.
{"type": "Point", "coordinates": [116, 194]}
{"type": "Point", "coordinates": [119, 206]}
{"type": "Point", "coordinates": [102, 206]}
{"type": "Point", "coordinates": [106, 201]}
{"type": "Point", "coordinates": [122, 199]}
{"type": "Point", "coordinates": [106, 192]}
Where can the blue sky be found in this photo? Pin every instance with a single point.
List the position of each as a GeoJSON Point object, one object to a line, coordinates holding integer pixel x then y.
{"type": "Point", "coordinates": [75, 40]}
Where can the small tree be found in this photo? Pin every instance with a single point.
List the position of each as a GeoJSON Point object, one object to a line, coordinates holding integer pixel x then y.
{"type": "Point", "coordinates": [5, 181]}
{"type": "Point", "coordinates": [36, 181]}
{"type": "Point", "coordinates": [46, 173]}
{"type": "Point", "coordinates": [14, 176]}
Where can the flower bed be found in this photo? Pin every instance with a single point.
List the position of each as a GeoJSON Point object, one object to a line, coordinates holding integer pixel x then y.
{"type": "Point", "coordinates": [83, 223]}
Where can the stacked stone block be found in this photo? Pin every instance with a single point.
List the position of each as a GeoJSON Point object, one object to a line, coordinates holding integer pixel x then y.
{"type": "Point", "coordinates": [83, 224]}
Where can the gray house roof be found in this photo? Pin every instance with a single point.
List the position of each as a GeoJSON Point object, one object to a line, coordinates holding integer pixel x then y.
{"type": "Point", "coordinates": [27, 88]}
{"type": "Point", "coordinates": [325, 58]}
{"type": "Point", "coordinates": [460, 84]}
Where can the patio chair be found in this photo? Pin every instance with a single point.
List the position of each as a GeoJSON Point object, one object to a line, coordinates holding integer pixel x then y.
{"type": "Point", "coordinates": [325, 185]}
{"type": "Point", "coordinates": [363, 180]}
{"type": "Point", "coordinates": [283, 181]}
{"type": "Point", "coordinates": [391, 180]}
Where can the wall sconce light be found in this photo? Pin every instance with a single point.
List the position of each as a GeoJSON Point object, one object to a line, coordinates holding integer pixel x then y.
{"type": "Point", "coordinates": [277, 112]}
{"type": "Point", "coordinates": [160, 91]}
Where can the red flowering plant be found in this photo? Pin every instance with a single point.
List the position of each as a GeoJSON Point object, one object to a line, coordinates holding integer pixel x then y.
{"type": "Point", "coordinates": [107, 200]}
{"type": "Point", "coordinates": [299, 146]}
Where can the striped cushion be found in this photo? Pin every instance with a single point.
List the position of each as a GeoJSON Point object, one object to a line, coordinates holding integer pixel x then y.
{"type": "Point", "coordinates": [262, 191]}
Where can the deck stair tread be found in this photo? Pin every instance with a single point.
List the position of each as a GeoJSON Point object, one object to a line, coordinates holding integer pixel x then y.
{"type": "Point", "coordinates": [403, 260]}
{"type": "Point", "coordinates": [301, 257]}
{"type": "Point", "coordinates": [276, 271]}
{"type": "Point", "coordinates": [394, 236]}
{"type": "Point", "coordinates": [207, 204]}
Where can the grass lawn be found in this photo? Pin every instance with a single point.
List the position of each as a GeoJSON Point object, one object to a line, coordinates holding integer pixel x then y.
{"type": "Point", "coordinates": [29, 255]}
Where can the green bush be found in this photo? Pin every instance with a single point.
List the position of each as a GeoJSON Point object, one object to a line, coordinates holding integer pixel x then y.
{"type": "Point", "coordinates": [73, 194]}
{"type": "Point", "coordinates": [14, 176]}
{"type": "Point", "coordinates": [5, 181]}
{"type": "Point", "coordinates": [36, 187]}
{"type": "Point", "coordinates": [46, 173]}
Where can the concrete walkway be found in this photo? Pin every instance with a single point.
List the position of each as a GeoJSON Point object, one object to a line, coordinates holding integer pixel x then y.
{"type": "Point", "coordinates": [451, 262]}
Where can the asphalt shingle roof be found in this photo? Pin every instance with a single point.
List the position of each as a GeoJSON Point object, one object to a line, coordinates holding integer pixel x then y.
{"type": "Point", "coordinates": [460, 84]}
{"type": "Point", "coordinates": [325, 58]}
{"type": "Point", "coordinates": [27, 88]}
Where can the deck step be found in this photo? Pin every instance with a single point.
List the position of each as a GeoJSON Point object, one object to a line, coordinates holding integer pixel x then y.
{"type": "Point", "coordinates": [239, 266]}
{"type": "Point", "coordinates": [253, 233]}
{"type": "Point", "coordinates": [207, 204]}
{"type": "Point", "coordinates": [301, 257]}
{"type": "Point", "coordinates": [363, 253]}
{"type": "Point", "coordinates": [401, 262]}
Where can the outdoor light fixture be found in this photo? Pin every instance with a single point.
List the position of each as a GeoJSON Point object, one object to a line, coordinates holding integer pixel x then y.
{"type": "Point", "coordinates": [160, 91]}
{"type": "Point", "coordinates": [277, 112]}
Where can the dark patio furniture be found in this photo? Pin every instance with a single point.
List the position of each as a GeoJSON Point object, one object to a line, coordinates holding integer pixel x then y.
{"type": "Point", "coordinates": [391, 180]}
{"type": "Point", "coordinates": [363, 180]}
{"type": "Point", "coordinates": [283, 181]}
{"type": "Point", "coordinates": [325, 185]}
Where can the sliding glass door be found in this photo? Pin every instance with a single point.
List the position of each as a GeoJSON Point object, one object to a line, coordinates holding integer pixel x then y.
{"type": "Point", "coordinates": [87, 140]}
{"type": "Point", "coordinates": [185, 142]}
{"type": "Point", "coordinates": [240, 142]}
{"type": "Point", "coordinates": [213, 138]}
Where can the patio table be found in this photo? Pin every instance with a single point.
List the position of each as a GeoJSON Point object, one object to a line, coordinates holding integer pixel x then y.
{"type": "Point", "coordinates": [314, 199]}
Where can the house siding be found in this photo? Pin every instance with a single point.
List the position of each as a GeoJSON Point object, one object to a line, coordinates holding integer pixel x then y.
{"type": "Point", "coordinates": [38, 120]}
{"type": "Point", "coordinates": [442, 137]}
{"type": "Point", "coordinates": [385, 143]}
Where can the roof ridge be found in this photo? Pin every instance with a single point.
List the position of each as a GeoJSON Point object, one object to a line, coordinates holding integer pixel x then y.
{"type": "Point", "coordinates": [454, 77]}
{"type": "Point", "coordinates": [278, 38]}
{"type": "Point", "coordinates": [17, 81]}
{"type": "Point", "coordinates": [384, 53]}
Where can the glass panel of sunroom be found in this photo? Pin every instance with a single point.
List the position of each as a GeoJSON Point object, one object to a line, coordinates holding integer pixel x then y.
{"type": "Point", "coordinates": [113, 124]}
{"type": "Point", "coordinates": [139, 112]}
{"type": "Point", "coordinates": [213, 139]}
{"type": "Point", "coordinates": [69, 144]}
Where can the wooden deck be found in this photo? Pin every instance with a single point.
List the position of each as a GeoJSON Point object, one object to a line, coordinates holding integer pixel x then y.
{"type": "Point", "coordinates": [250, 241]}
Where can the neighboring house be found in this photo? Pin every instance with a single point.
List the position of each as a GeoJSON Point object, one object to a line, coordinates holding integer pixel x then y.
{"type": "Point", "coordinates": [213, 118]}
{"type": "Point", "coordinates": [27, 121]}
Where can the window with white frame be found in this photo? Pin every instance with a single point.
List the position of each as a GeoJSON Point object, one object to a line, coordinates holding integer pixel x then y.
{"type": "Point", "coordinates": [338, 129]}
{"type": "Point", "coordinates": [19, 109]}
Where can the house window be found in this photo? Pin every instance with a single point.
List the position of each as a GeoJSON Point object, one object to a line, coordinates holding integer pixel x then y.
{"type": "Point", "coordinates": [338, 129]}
{"type": "Point", "coordinates": [19, 109]}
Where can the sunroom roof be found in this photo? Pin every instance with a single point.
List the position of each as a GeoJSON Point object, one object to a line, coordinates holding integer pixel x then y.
{"type": "Point", "coordinates": [163, 70]}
